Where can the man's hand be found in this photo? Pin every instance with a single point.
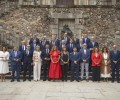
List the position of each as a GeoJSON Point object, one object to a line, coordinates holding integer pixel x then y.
{"type": "Point", "coordinates": [84, 61]}
{"type": "Point", "coordinates": [115, 62]}
{"type": "Point", "coordinates": [75, 62]}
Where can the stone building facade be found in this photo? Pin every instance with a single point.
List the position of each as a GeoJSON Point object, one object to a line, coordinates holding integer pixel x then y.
{"type": "Point", "coordinates": [47, 17]}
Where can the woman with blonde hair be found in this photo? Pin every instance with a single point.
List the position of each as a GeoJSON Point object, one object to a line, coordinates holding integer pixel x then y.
{"type": "Point", "coordinates": [37, 63]}
{"type": "Point", "coordinates": [55, 71]}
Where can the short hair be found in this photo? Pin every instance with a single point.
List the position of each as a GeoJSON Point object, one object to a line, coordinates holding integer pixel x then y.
{"type": "Point", "coordinates": [64, 47]}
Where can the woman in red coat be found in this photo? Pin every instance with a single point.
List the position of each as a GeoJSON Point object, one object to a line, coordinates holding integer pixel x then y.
{"type": "Point", "coordinates": [55, 71]}
{"type": "Point", "coordinates": [96, 64]}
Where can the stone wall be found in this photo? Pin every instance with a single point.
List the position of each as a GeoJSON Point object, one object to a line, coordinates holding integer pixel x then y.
{"type": "Point", "coordinates": [104, 23]}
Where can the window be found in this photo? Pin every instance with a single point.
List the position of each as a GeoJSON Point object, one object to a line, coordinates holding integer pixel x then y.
{"type": "Point", "coordinates": [65, 2]}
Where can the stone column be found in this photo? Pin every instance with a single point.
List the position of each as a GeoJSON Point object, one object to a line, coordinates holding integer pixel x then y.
{"type": "Point", "coordinates": [113, 2]}
{"type": "Point", "coordinates": [20, 2]}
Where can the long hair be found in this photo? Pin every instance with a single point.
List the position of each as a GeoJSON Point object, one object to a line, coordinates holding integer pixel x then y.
{"type": "Point", "coordinates": [4, 47]}
{"type": "Point", "coordinates": [104, 48]}
{"type": "Point", "coordinates": [95, 48]}
{"type": "Point", "coordinates": [54, 47]}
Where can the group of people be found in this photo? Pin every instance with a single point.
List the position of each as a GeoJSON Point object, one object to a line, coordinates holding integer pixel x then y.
{"type": "Point", "coordinates": [54, 59]}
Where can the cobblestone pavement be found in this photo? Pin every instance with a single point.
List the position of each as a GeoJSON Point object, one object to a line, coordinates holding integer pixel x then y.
{"type": "Point", "coordinates": [59, 90]}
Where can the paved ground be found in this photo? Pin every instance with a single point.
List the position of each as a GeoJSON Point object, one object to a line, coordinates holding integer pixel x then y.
{"type": "Point", "coordinates": [59, 90]}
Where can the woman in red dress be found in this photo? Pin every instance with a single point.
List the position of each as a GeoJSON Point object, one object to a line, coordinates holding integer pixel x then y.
{"type": "Point", "coordinates": [55, 71]}
{"type": "Point", "coordinates": [96, 64]}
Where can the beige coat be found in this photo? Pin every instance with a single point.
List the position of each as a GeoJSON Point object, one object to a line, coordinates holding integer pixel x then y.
{"type": "Point", "coordinates": [103, 64]}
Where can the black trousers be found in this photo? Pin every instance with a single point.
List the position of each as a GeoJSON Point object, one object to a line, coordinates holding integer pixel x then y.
{"type": "Point", "coordinates": [45, 70]}
{"type": "Point", "coordinates": [27, 67]}
{"type": "Point", "coordinates": [96, 73]}
{"type": "Point", "coordinates": [115, 72]}
{"type": "Point", "coordinates": [65, 68]}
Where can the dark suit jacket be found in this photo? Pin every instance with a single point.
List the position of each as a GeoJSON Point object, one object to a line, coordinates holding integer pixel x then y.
{"type": "Point", "coordinates": [57, 42]}
{"type": "Point", "coordinates": [114, 57]}
{"type": "Point", "coordinates": [75, 57]}
{"type": "Point", "coordinates": [60, 47]}
{"type": "Point", "coordinates": [70, 49]}
{"type": "Point", "coordinates": [43, 46]}
{"type": "Point", "coordinates": [18, 57]}
{"type": "Point", "coordinates": [84, 56]}
{"type": "Point", "coordinates": [79, 47]}
{"type": "Point", "coordinates": [32, 47]}
{"type": "Point", "coordinates": [45, 55]}
{"type": "Point", "coordinates": [92, 46]}
{"type": "Point", "coordinates": [87, 41]}
{"type": "Point", "coordinates": [37, 41]}
{"type": "Point", "coordinates": [21, 48]}
{"type": "Point", "coordinates": [76, 41]}
{"type": "Point", "coordinates": [26, 57]}
{"type": "Point", "coordinates": [68, 40]}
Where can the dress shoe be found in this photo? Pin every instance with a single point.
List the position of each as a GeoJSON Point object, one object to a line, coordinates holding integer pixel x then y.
{"type": "Point", "coordinates": [87, 80]}
{"type": "Point", "coordinates": [71, 80]}
{"type": "Point", "coordinates": [65, 80]}
{"type": "Point", "coordinates": [24, 80]}
{"type": "Point", "coordinates": [44, 79]}
{"type": "Point", "coordinates": [118, 81]}
{"type": "Point", "coordinates": [29, 79]}
{"type": "Point", "coordinates": [112, 81]}
{"type": "Point", "coordinates": [18, 80]}
{"type": "Point", "coordinates": [77, 80]}
{"type": "Point", "coordinates": [12, 80]}
{"type": "Point", "coordinates": [81, 79]}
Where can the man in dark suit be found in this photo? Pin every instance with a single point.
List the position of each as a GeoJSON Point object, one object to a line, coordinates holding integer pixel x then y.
{"type": "Point", "coordinates": [44, 42]}
{"type": "Point", "coordinates": [75, 57]}
{"type": "Point", "coordinates": [22, 48]}
{"type": "Point", "coordinates": [62, 45]}
{"type": "Point", "coordinates": [15, 57]}
{"type": "Point", "coordinates": [27, 63]}
{"type": "Point", "coordinates": [66, 38]}
{"type": "Point", "coordinates": [33, 46]}
{"type": "Point", "coordinates": [75, 39]}
{"type": "Point", "coordinates": [80, 45]}
{"type": "Point", "coordinates": [55, 41]}
{"type": "Point", "coordinates": [70, 46]}
{"type": "Point", "coordinates": [93, 43]}
{"type": "Point", "coordinates": [84, 61]}
{"type": "Point", "coordinates": [45, 55]}
{"type": "Point", "coordinates": [86, 40]}
{"type": "Point", "coordinates": [34, 38]}
{"type": "Point", "coordinates": [115, 59]}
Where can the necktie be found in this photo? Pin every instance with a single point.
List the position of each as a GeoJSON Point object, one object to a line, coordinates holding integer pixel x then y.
{"type": "Point", "coordinates": [85, 40]}
{"type": "Point", "coordinates": [46, 51]}
{"type": "Point", "coordinates": [27, 52]}
{"type": "Point", "coordinates": [115, 52]}
{"type": "Point", "coordinates": [15, 53]}
{"type": "Point", "coordinates": [22, 47]}
{"type": "Point", "coordinates": [93, 44]}
{"type": "Point", "coordinates": [74, 53]}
